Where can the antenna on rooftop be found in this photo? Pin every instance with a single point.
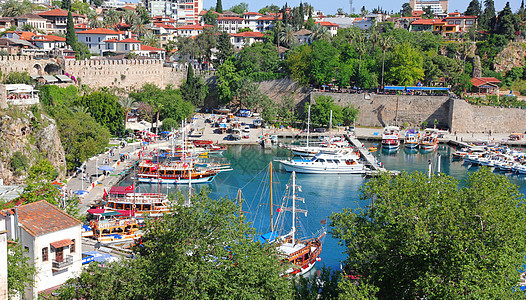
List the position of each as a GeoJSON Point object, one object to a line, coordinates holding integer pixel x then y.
{"type": "Point", "coordinates": [352, 8]}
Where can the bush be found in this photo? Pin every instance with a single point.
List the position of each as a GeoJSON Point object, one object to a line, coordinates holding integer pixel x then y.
{"type": "Point", "coordinates": [18, 163]}
{"type": "Point", "coordinates": [169, 124]}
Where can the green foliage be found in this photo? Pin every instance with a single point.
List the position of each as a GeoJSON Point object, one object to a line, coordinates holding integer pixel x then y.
{"type": "Point", "coordinates": [219, 7]}
{"type": "Point", "coordinates": [321, 111]}
{"type": "Point", "coordinates": [38, 183]}
{"type": "Point", "coordinates": [201, 252]}
{"type": "Point", "coordinates": [498, 101]}
{"type": "Point", "coordinates": [105, 109]}
{"type": "Point", "coordinates": [350, 114]}
{"type": "Point", "coordinates": [406, 10]}
{"type": "Point", "coordinates": [240, 8]}
{"type": "Point", "coordinates": [269, 9]}
{"type": "Point", "coordinates": [18, 162]}
{"type": "Point", "coordinates": [66, 5]}
{"type": "Point", "coordinates": [487, 19]}
{"type": "Point", "coordinates": [405, 65]}
{"type": "Point", "coordinates": [80, 7]}
{"type": "Point", "coordinates": [324, 286]}
{"type": "Point", "coordinates": [474, 9]}
{"type": "Point", "coordinates": [14, 8]}
{"type": "Point", "coordinates": [16, 78]}
{"type": "Point", "coordinates": [169, 101]}
{"type": "Point", "coordinates": [286, 113]}
{"type": "Point", "coordinates": [227, 82]}
{"type": "Point", "coordinates": [20, 270]}
{"type": "Point", "coordinates": [71, 37]}
{"type": "Point", "coordinates": [210, 18]}
{"type": "Point", "coordinates": [169, 124]}
{"type": "Point", "coordinates": [257, 59]}
{"type": "Point", "coordinates": [194, 90]}
{"type": "Point", "coordinates": [506, 21]}
{"type": "Point", "coordinates": [488, 49]}
{"type": "Point", "coordinates": [434, 238]}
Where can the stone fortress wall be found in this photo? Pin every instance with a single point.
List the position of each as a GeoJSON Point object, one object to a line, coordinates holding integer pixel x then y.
{"type": "Point", "coordinates": [453, 114]}
{"type": "Point", "coordinates": [99, 73]}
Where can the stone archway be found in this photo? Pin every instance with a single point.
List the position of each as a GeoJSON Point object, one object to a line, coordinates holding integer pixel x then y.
{"type": "Point", "coordinates": [53, 68]}
{"type": "Point", "coordinates": [37, 68]}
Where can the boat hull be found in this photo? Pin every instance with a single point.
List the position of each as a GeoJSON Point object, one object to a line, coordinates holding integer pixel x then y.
{"type": "Point", "coordinates": [177, 180]}
{"type": "Point", "coordinates": [315, 169]}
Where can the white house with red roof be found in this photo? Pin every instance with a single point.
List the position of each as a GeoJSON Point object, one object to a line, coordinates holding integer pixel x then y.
{"type": "Point", "coordinates": [247, 38]}
{"type": "Point", "coordinates": [21, 35]}
{"type": "Point", "coordinates": [96, 38]}
{"type": "Point", "coordinates": [151, 52]}
{"type": "Point", "coordinates": [48, 42]}
{"type": "Point", "coordinates": [58, 19]}
{"type": "Point", "coordinates": [230, 24]}
{"type": "Point", "coordinates": [191, 30]}
{"type": "Point", "coordinates": [123, 46]}
{"type": "Point", "coordinates": [331, 27]}
{"type": "Point", "coordinates": [52, 240]}
{"type": "Point", "coordinates": [250, 20]}
{"type": "Point", "coordinates": [266, 22]}
{"type": "Point", "coordinates": [34, 20]}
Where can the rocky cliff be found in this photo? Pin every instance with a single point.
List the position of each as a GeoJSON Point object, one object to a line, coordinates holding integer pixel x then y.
{"type": "Point", "coordinates": [512, 56]}
{"type": "Point", "coordinates": [26, 136]}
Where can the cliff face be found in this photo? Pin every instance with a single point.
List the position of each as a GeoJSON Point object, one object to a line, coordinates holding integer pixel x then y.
{"type": "Point", "coordinates": [28, 138]}
{"type": "Point", "coordinates": [512, 56]}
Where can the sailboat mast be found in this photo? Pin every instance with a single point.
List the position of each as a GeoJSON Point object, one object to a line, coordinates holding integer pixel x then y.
{"type": "Point", "coordinates": [330, 130]}
{"type": "Point", "coordinates": [239, 199]}
{"type": "Point", "coordinates": [308, 127]}
{"type": "Point", "coordinates": [271, 204]}
{"type": "Point", "coordinates": [293, 207]}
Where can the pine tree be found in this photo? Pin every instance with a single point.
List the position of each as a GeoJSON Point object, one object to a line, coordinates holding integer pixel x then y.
{"type": "Point", "coordinates": [71, 37]}
{"type": "Point", "coordinates": [506, 22]}
{"type": "Point", "coordinates": [219, 7]}
{"type": "Point", "coordinates": [474, 8]}
{"type": "Point", "coordinates": [487, 19]}
{"type": "Point", "coordinates": [66, 4]}
{"type": "Point", "coordinates": [521, 10]}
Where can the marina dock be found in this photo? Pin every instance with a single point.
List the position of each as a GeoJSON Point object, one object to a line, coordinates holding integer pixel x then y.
{"type": "Point", "coordinates": [370, 161]}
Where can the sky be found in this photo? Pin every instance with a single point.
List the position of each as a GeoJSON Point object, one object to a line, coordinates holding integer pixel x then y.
{"type": "Point", "coordinates": [331, 6]}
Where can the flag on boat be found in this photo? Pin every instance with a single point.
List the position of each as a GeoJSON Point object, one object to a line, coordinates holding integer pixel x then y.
{"type": "Point", "coordinates": [129, 188]}
{"type": "Point", "coordinates": [154, 168]}
{"type": "Point", "coordinates": [105, 195]}
{"type": "Point", "coordinates": [323, 222]}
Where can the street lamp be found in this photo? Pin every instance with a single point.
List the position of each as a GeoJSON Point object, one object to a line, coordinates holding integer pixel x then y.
{"type": "Point", "coordinates": [97, 166]}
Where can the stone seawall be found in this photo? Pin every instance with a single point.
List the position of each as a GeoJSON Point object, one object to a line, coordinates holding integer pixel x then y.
{"type": "Point", "coordinates": [279, 88]}
{"type": "Point", "coordinates": [454, 114]}
{"type": "Point", "coordinates": [383, 110]}
{"type": "Point", "coordinates": [123, 73]}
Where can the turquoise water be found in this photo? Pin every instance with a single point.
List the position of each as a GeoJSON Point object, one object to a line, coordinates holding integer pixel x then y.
{"type": "Point", "coordinates": [323, 194]}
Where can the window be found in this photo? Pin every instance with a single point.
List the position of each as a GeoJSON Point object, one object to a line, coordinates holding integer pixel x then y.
{"type": "Point", "coordinates": [469, 22]}
{"type": "Point", "coordinates": [457, 22]}
{"type": "Point", "coordinates": [72, 247]}
{"type": "Point", "coordinates": [45, 254]}
{"type": "Point", "coordinates": [450, 22]}
{"type": "Point", "coordinates": [99, 39]}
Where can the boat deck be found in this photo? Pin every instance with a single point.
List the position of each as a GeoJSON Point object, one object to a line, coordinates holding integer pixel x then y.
{"type": "Point", "coordinates": [370, 160]}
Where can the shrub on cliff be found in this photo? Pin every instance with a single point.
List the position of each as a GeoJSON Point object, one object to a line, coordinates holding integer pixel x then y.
{"type": "Point", "coordinates": [105, 109]}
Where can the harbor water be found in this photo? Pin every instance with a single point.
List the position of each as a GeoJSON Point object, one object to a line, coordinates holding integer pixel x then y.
{"type": "Point", "coordinates": [324, 194]}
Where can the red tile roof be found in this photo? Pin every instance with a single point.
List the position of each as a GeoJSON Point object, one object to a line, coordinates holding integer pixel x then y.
{"type": "Point", "coordinates": [249, 34]}
{"type": "Point", "coordinates": [129, 7]}
{"type": "Point", "coordinates": [58, 12]}
{"type": "Point", "coordinates": [479, 81]}
{"type": "Point", "coordinates": [417, 13]}
{"type": "Point", "coordinates": [150, 48]}
{"type": "Point", "coordinates": [24, 35]}
{"type": "Point", "coordinates": [250, 13]}
{"type": "Point", "coordinates": [84, 26]}
{"type": "Point", "coordinates": [40, 218]}
{"type": "Point", "coordinates": [99, 31]}
{"type": "Point", "coordinates": [425, 22]}
{"type": "Point", "coordinates": [129, 40]}
{"type": "Point", "coordinates": [461, 17]}
{"type": "Point", "coordinates": [328, 24]}
{"type": "Point", "coordinates": [61, 243]}
{"type": "Point", "coordinates": [48, 38]}
{"type": "Point", "coordinates": [230, 18]}
{"type": "Point", "coordinates": [269, 18]}
{"type": "Point", "coordinates": [193, 27]}
{"type": "Point", "coordinates": [111, 41]}
{"type": "Point", "coordinates": [165, 26]}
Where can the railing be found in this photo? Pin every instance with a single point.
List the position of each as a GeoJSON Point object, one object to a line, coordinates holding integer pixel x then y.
{"type": "Point", "coordinates": [62, 264]}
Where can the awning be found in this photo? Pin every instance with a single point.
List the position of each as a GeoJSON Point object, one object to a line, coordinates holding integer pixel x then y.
{"type": "Point", "coordinates": [426, 88]}
{"type": "Point", "coordinates": [50, 78]}
{"type": "Point", "coordinates": [110, 214]}
{"type": "Point", "coordinates": [64, 78]}
{"type": "Point", "coordinates": [94, 211]}
{"type": "Point", "coordinates": [61, 243]}
{"type": "Point", "coordinates": [394, 88]}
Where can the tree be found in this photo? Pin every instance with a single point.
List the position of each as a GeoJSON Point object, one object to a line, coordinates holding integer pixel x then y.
{"type": "Point", "coordinates": [428, 12]}
{"type": "Point", "coordinates": [474, 9]}
{"type": "Point", "coordinates": [105, 109]}
{"type": "Point", "coordinates": [140, 29]}
{"type": "Point", "coordinates": [229, 80]}
{"type": "Point", "coordinates": [13, 8]}
{"type": "Point", "coordinates": [66, 5]}
{"type": "Point", "coordinates": [128, 104]}
{"type": "Point", "coordinates": [80, 7]}
{"type": "Point", "coordinates": [386, 42]}
{"type": "Point", "coordinates": [506, 22]}
{"type": "Point", "coordinates": [349, 114]}
{"type": "Point", "coordinates": [405, 65]}
{"type": "Point", "coordinates": [93, 20]}
{"type": "Point", "coordinates": [193, 89]}
{"type": "Point", "coordinates": [111, 18]}
{"type": "Point", "coordinates": [38, 183]}
{"type": "Point", "coordinates": [20, 271]}
{"type": "Point", "coordinates": [269, 9]}
{"type": "Point", "coordinates": [225, 49]}
{"type": "Point", "coordinates": [487, 19]}
{"type": "Point", "coordinates": [143, 14]}
{"type": "Point", "coordinates": [219, 7]}
{"type": "Point", "coordinates": [150, 39]}
{"type": "Point", "coordinates": [71, 37]}
{"type": "Point", "coordinates": [205, 250]}
{"type": "Point", "coordinates": [240, 8]}
{"type": "Point", "coordinates": [434, 238]}
{"type": "Point", "coordinates": [210, 17]}
{"type": "Point", "coordinates": [321, 111]}
{"type": "Point", "coordinates": [14, 77]}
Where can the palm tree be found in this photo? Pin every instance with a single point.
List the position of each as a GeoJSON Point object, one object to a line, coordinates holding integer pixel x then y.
{"type": "Point", "coordinates": [287, 36]}
{"type": "Point", "coordinates": [150, 39]}
{"type": "Point", "coordinates": [320, 32]}
{"type": "Point", "coordinates": [128, 104]}
{"type": "Point", "coordinates": [130, 17]}
{"type": "Point", "coordinates": [80, 109]}
{"type": "Point", "coordinates": [14, 8]}
{"type": "Point", "coordinates": [139, 29]}
{"type": "Point", "coordinates": [386, 42]}
{"type": "Point", "coordinates": [94, 21]}
{"type": "Point", "coordinates": [111, 18]}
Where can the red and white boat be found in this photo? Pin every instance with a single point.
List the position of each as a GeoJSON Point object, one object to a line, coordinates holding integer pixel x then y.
{"type": "Point", "coordinates": [391, 138]}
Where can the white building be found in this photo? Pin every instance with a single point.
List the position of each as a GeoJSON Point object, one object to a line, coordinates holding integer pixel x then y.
{"type": "Point", "coordinates": [186, 12]}
{"type": "Point", "coordinates": [52, 240]}
{"type": "Point", "coordinates": [251, 20]}
{"type": "Point", "coordinates": [58, 19]}
{"type": "Point", "coordinates": [247, 38]}
{"type": "Point", "coordinates": [109, 4]}
{"type": "Point", "coordinates": [3, 263]}
{"type": "Point", "coordinates": [36, 21]}
{"type": "Point", "coordinates": [191, 30]}
{"type": "Point", "coordinates": [331, 27]}
{"type": "Point", "coordinates": [437, 6]}
{"type": "Point", "coordinates": [48, 42]}
{"type": "Point", "coordinates": [96, 38]}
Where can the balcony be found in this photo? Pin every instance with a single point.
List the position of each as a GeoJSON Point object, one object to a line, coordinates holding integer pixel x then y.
{"type": "Point", "coordinates": [63, 264]}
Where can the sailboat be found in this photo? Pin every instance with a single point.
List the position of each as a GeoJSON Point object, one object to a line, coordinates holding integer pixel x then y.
{"type": "Point", "coordinates": [301, 254]}
{"type": "Point", "coordinates": [310, 151]}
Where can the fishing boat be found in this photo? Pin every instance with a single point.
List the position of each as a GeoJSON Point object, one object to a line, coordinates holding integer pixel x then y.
{"type": "Point", "coordinates": [429, 141]}
{"type": "Point", "coordinates": [257, 123]}
{"type": "Point", "coordinates": [177, 172]}
{"type": "Point", "coordinates": [412, 138]}
{"type": "Point", "coordinates": [209, 146]}
{"type": "Point", "coordinates": [391, 138]}
{"type": "Point", "coordinates": [343, 162]}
